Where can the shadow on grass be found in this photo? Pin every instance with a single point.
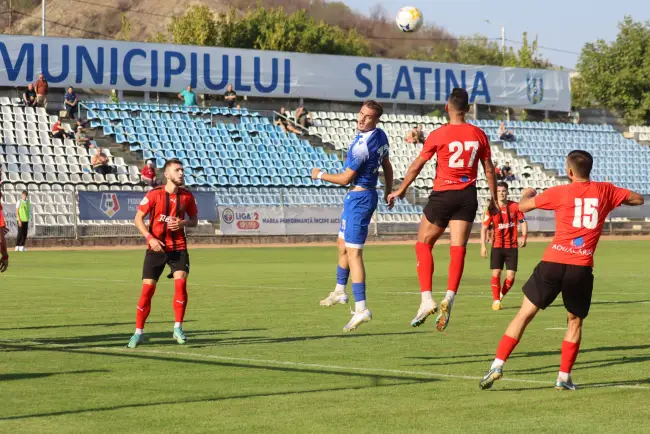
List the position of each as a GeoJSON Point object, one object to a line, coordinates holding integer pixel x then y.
{"type": "Point", "coordinates": [59, 326]}
{"type": "Point", "coordinates": [34, 375]}
{"type": "Point", "coordinates": [373, 380]}
{"type": "Point", "coordinates": [467, 358]}
{"type": "Point", "coordinates": [195, 339]}
{"type": "Point", "coordinates": [627, 384]}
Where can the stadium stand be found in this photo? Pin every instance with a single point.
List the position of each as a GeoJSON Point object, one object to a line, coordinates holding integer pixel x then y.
{"type": "Point", "coordinates": [643, 132]}
{"type": "Point", "coordinates": [248, 161]}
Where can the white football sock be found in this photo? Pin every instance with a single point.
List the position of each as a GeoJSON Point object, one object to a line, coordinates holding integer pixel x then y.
{"type": "Point", "coordinates": [427, 296]}
{"type": "Point", "coordinates": [360, 306]}
{"type": "Point", "coordinates": [339, 288]}
{"type": "Point", "coordinates": [498, 363]}
{"type": "Point", "coordinates": [138, 331]}
{"type": "Point", "coordinates": [178, 325]}
{"type": "Point", "coordinates": [564, 376]}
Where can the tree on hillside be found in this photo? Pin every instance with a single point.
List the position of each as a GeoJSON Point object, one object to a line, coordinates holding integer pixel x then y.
{"type": "Point", "coordinates": [479, 50]}
{"type": "Point", "coordinates": [615, 75]}
{"type": "Point", "coordinates": [265, 29]}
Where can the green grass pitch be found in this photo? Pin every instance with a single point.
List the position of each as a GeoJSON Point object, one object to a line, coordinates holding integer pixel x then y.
{"type": "Point", "coordinates": [262, 356]}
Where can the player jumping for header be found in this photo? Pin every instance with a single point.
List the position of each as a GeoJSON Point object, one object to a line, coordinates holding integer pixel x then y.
{"type": "Point", "coordinates": [166, 207]}
{"type": "Point", "coordinates": [453, 202]}
{"type": "Point", "coordinates": [580, 212]}
{"type": "Point", "coordinates": [505, 250]}
{"type": "Point", "coordinates": [366, 155]}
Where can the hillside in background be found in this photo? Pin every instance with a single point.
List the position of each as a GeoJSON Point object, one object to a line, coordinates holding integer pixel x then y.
{"type": "Point", "coordinates": [102, 19]}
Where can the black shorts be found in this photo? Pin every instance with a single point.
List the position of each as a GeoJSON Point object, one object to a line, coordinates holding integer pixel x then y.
{"type": "Point", "coordinates": [154, 263]}
{"type": "Point", "coordinates": [500, 256]}
{"type": "Point", "coordinates": [444, 206]}
{"type": "Point", "coordinates": [549, 279]}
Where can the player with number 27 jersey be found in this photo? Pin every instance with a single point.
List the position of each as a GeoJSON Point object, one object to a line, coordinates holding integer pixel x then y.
{"type": "Point", "coordinates": [459, 149]}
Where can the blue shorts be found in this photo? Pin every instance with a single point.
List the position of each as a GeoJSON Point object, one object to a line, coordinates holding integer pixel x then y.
{"type": "Point", "coordinates": [358, 208]}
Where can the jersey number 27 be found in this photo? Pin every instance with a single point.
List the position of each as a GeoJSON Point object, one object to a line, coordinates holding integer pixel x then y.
{"type": "Point", "coordinates": [457, 148]}
{"type": "Point", "coordinates": [586, 213]}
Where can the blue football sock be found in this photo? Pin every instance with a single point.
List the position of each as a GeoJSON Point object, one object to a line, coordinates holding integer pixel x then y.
{"type": "Point", "coordinates": [342, 275]}
{"type": "Point", "coordinates": [359, 291]}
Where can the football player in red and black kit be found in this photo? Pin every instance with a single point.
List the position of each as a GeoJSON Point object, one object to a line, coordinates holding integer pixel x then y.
{"type": "Point", "coordinates": [166, 207]}
{"type": "Point", "coordinates": [505, 245]}
{"type": "Point", "coordinates": [567, 265]}
{"type": "Point", "coordinates": [4, 261]}
{"type": "Point", "coordinates": [459, 146]}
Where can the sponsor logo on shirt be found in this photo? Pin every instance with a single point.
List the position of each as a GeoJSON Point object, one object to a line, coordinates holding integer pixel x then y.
{"type": "Point", "coordinates": [506, 225]}
{"type": "Point", "coordinates": [573, 250]}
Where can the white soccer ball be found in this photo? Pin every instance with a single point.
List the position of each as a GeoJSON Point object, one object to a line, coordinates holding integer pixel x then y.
{"type": "Point", "coordinates": [409, 19]}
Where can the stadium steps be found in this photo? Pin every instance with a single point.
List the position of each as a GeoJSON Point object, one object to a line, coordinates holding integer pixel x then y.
{"type": "Point", "coordinates": [513, 154]}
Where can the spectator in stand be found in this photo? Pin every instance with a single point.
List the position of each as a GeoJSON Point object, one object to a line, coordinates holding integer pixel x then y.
{"type": "Point", "coordinates": [188, 96]}
{"type": "Point", "coordinates": [82, 139]}
{"type": "Point", "coordinates": [42, 88]}
{"type": "Point", "coordinates": [230, 97]}
{"type": "Point", "coordinates": [420, 134]}
{"type": "Point", "coordinates": [100, 163]}
{"type": "Point", "coordinates": [304, 118]}
{"type": "Point", "coordinates": [412, 136]}
{"type": "Point", "coordinates": [29, 97]}
{"type": "Point", "coordinates": [506, 172]}
{"type": "Point", "coordinates": [59, 133]}
{"type": "Point", "coordinates": [148, 174]}
{"type": "Point", "coordinates": [284, 122]}
{"type": "Point", "coordinates": [23, 214]}
{"type": "Point", "coordinates": [497, 171]}
{"type": "Point", "coordinates": [505, 135]}
{"type": "Point", "coordinates": [70, 101]}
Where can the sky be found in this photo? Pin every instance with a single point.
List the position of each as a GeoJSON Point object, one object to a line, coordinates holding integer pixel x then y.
{"type": "Point", "coordinates": [560, 24]}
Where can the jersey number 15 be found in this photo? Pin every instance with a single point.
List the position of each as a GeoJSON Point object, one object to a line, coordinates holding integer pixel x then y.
{"type": "Point", "coordinates": [586, 213]}
{"type": "Point", "coordinates": [457, 148]}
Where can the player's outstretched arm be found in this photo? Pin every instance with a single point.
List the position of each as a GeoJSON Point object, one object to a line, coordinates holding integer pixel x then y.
{"type": "Point", "coordinates": [484, 230]}
{"type": "Point", "coordinates": [155, 244]}
{"type": "Point", "coordinates": [491, 176]}
{"type": "Point", "coordinates": [388, 181]}
{"type": "Point", "coordinates": [527, 202]}
{"type": "Point", "coordinates": [635, 199]}
{"type": "Point", "coordinates": [411, 174]}
{"type": "Point", "coordinates": [344, 178]}
{"type": "Point", "coordinates": [524, 234]}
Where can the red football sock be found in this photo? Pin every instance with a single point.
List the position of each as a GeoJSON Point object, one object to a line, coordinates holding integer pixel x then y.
{"type": "Point", "coordinates": [456, 266]}
{"type": "Point", "coordinates": [180, 299]}
{"type": "Point", "coordinates": [144, 305]}
{"type": "Point", "coordinates": [425, 265]}
{"type": "Point", "coordinates": [496, 287]}
{"type": "Point", "coordinates": [506, 347]}
{"type": "Point", "coordinates": [507, 285]}
{"type": "Point", "coordinates": [569, 355]}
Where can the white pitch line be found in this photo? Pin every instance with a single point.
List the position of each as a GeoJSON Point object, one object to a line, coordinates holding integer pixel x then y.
{"type": "Point", "coordinates": [556, 328]}
{"type": "Point", "coordinates": [343, 368]}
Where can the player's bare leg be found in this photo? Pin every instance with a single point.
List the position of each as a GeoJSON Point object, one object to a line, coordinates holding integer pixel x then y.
{"type": "Point", "coordinates": [509, 341]}
{"type": "Point", "coordinates": [496, 290]}
{"type": "Point", "coordinates": [570, 348]}
{"type": "Point", "coordinates": [508, 283]}
{"type": "Point", "coordinates": [339, 296]}
{"type": "Point", "coordinates": [358, 276]}
{"type": "Point", "coordinates": [179, 305]}
{"type": "Point", "coordinates": [428, 234]}
{"type": "Point", "coordinates": [142, 312]}
{"type": "Point", "coordinates": [459, 231]}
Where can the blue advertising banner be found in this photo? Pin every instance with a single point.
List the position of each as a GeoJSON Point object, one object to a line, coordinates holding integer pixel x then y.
{"type": "Point", "coordinates": [97, 64]}
{"type": "Point", "coordinates": [123, 205]}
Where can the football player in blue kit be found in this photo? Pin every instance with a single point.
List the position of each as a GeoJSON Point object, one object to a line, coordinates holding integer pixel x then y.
{"type": "Point", "coordinates": [366, 155]}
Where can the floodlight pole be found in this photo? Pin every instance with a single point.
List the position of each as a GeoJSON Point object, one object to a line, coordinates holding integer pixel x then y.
{"type": "Point", "coordinates": [43, 17]}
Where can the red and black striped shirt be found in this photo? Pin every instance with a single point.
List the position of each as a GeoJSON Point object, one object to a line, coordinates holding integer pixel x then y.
{"type": "Point", "coordinates": [505, 225]}
{"type": "Point", "coordinates": [161, 208]}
